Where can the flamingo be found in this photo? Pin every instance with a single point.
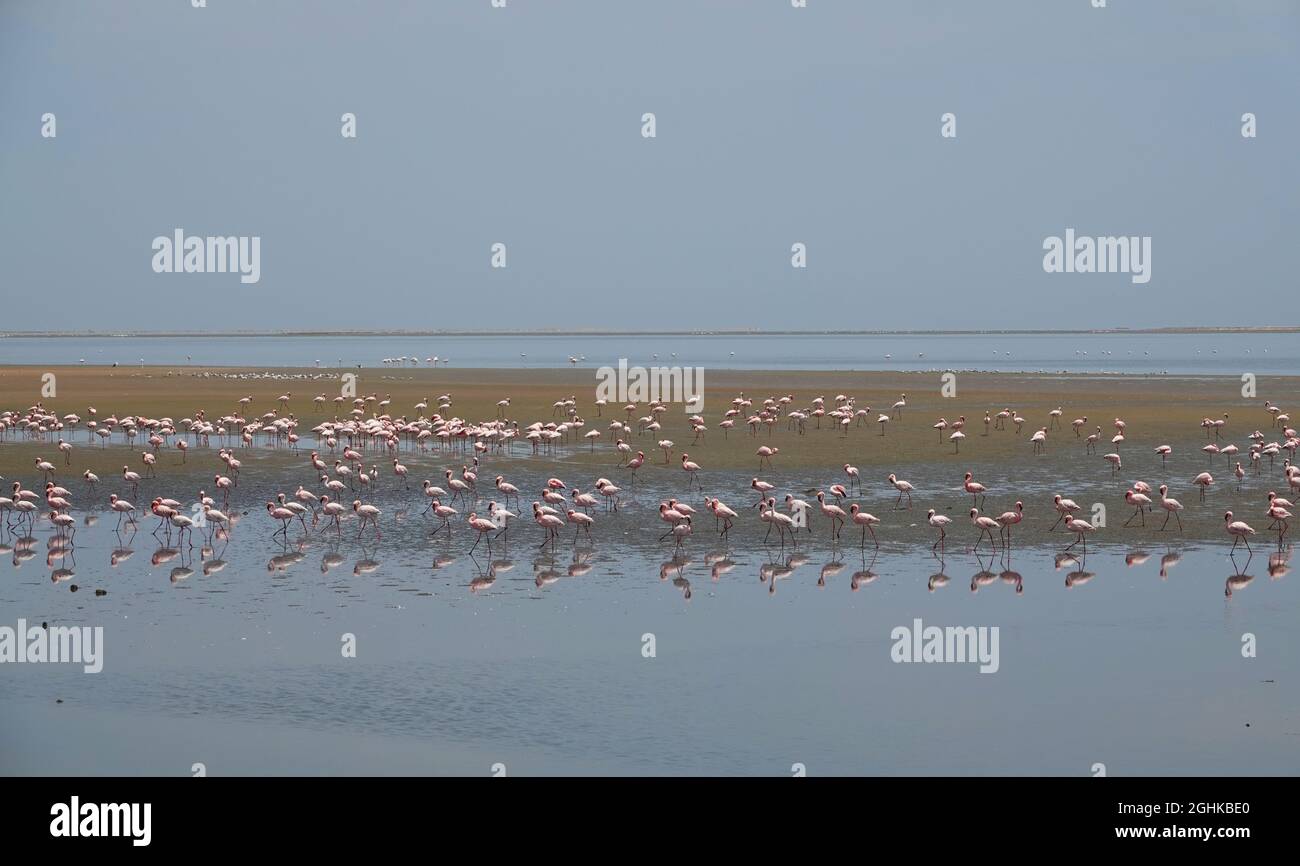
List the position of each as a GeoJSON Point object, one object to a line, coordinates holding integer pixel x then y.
{"type": "Point", "coordinates": [497, 513]}
{"type": "Point", "coordinates": [1039, 440]}
{"type": "Point", "coordinates": [797, 509]}
{"type": "Point", "coordinates": [184, 524]}
{"type": "Point", "coordinates": [1203, 481]}
{"type": "Point", "coordinates": [783, 522]}
{"type": "Point", "coordinates": [306, 497]}
{"type": "Point", "coordinates": [217, 520]}
{"type": "Point", "coordinates": [584, 501]}
{"type": "Point", "coordinates": [1115, 463]}
{"type": "Point", "coordinates": [1238, 529]}
{"type": "Point", "coordinates": [834, 512]}
{"type": "Point", "coordinates": [939, 522]}
{"type": "Point", "coordinates": [432, 492]}
{"type": "Point", "coordinates": [975, 489]}
{"type": "Point", "coordinates": [55, 499]}
{"type": "Point", "coordinates": [123, 509]}
{"type": "Point", "coordinates": [634, 464]}
{"type": "Point", "coordinates": [163, 512]}
{"type": "Point", "coordinates": [63, 523]}
{"type": "Point", "coordinates": [368, 514]}
{"type": "Point", "coordinates": [671, 516]}
{"type": "Point", "coordinates": [691, 469]}
{"type": "Point", "coordinates": [281, 514]}
{"type": "Point", "coordinates": [483, 527]}
{"type": "Point", "coordinates": [985, 525]}
{"type": "Point", "coordinates": [610, 492]}
{"type": "Point", "coordinates": [26, 511]}
{"type": "Point", "coordinates": [1140, 502]}
{"type": "Point", "coordinates": [459, 488]}
{"type": "Point", "coordinates": [299, 510]}
{"type": "Point", "coordinates": [1064, 507]}
{"type": "Point", "coordinates": [854, 478]}
{"type": "Point", "coordinates": [548, 522]}
{"type": "Point", "coordinates": [445, 513]}
{"type": "Point", "coordinates": [1171, 506]}
{"type": "Point", "coordinates": [1008, 519]}
{"type": "Point", "coordinates": [581, 523]}
{"type": "Point", "coordinates": [1081, 528]}
{"type": "Point", "coordinates": [1090, 444]}
{"type": "Point", "coordinates": [1277, 502]}
{"type": "Point", "coordinates": [680, 531]}
{"type": "Point", "coordinates": [1281, 520]}
{"type": "Point", "coordinates": [866, 521]}
{"type": "Point", "coordinates": [507, 489]}
{"type": "Point", "coordinates": [721, 513]}
{"type": "Point", "coordinates": [903, 488]}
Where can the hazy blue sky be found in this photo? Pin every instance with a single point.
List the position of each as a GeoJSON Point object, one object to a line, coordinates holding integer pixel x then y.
{"type": "Point", "coordinates": [522, 125]}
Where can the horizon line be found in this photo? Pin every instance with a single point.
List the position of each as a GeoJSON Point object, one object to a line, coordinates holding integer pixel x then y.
{"type": "Point", "coordinates": [653, 332]}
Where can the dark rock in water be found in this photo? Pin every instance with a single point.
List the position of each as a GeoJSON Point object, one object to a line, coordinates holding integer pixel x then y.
{"type": "Point", "coordinates": [101, 592]}
{"type": "Point", "coordinates": [73, 588]}
{"type": "Point", "coordinates": [58, 700]}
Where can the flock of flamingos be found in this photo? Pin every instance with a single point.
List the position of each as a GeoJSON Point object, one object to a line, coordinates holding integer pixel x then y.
{"type": "Point", "coordinates": [339, 481]}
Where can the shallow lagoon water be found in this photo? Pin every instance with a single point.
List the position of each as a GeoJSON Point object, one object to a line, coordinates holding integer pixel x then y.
{"type": "Point", "coordinates": [1174, 353]}
{"type": "Point", "coordinates": [534, 660]}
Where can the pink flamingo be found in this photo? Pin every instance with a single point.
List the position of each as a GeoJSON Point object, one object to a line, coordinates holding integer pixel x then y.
{"type": "Point", "coordinates": [975, 489]}
{"type": "Point", "coordinates": [866, 521]}
{"type": "Point", "coordinates": [1140, 502]}
{"type": "Point", "coordinates": [368, 513]}
{"type": "Point", "coordinates": [985, 525]}
{"type": "Point", "coordinates": [904, 488]}
{"type": "Point", "coordinates": [1239, 531]}
{"type": "Point", "coordinates": [691, 469]}
{"type": "Point", "coordinates": [834, 512]}
{"type": "Point", "coordinates": [939, 522]}
{"type": "Point", "coordinates": [1203, 481]}
{"type": "Point", "coordinates": [1008, 519]}
{"type": "Point", "coordinates": [1171, 506]}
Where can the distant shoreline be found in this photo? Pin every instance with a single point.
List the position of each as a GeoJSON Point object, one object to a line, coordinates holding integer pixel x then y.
{"type": "Point", "coordinates": [722, 332]}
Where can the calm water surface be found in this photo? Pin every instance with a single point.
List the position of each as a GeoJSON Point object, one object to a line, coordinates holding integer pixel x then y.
{"type": "Point", "coordinates": [763, 657]}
